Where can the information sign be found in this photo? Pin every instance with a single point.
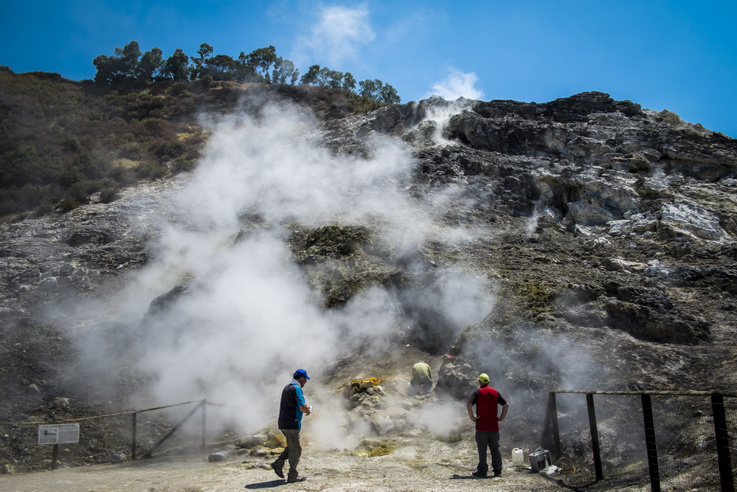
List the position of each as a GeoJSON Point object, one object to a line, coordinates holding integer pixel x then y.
{"type": "Point", "coordinates": [58, 433]}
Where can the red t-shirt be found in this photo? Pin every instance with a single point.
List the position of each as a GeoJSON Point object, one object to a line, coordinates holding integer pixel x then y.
{"type": "Point", "coordinates": [486, 400]}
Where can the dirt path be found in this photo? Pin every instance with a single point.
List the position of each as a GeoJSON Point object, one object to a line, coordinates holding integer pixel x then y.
{"type": "Point", "coordinates": [404, 469]}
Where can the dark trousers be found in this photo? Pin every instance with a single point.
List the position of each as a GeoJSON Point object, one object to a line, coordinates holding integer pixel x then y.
{"type": "Point", "coordinates": [292, 452]}
{"type": "Point", "coordinates": [489, 440]}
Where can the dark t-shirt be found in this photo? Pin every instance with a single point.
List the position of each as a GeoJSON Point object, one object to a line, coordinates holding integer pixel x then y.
{"type": "Point", "coordinates": [486, 400]}
{"type": "Point", "coordinates": [290, 415]}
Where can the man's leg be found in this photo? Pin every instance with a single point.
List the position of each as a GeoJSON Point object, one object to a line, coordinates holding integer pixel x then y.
{"type": "Point", "coordinates": [293, 450]}
{"type": "Point", "coordinates": [496, 453]}
{"type": "Point", "coordinates": [482, 442]}
{"type": "Point", "coordinates": [278, 465]}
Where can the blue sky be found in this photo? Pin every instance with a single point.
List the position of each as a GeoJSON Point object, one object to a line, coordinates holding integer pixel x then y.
{"type": "Point", "coordinates": [676, 55]}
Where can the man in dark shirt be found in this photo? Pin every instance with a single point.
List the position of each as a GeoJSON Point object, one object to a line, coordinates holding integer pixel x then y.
{"type": "Point", "coordinates": [291, 410]}
{"type": "Point", "coordinates": [487, 421]}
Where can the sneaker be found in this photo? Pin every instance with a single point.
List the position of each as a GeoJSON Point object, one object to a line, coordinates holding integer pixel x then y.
{"type": "Point", "coordinates": [479, 474]}
{"type": "Point", "coordinates": [300, 478]}
{"type": "Point", "coordinates": [277, 469]}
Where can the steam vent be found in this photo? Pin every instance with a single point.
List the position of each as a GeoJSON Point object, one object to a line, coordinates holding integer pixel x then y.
{"type": "Point", "coordinates": [584, 246]}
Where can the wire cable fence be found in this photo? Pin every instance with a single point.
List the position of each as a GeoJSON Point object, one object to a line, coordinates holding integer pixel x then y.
{"type": "Point", "coordinates": [686, 443]}
{"type": "Point", "coordinates": [129, 426]}
{"type": "Point", "coordinates": [676, 440]}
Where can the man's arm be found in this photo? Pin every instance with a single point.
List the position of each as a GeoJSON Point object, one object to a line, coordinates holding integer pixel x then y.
{"type": "Point", "coordinates": [469, 407]}
{"type": "Point", "coordinates": [504, 412]}
{"type": "Point", "coordinates": [301, 403]}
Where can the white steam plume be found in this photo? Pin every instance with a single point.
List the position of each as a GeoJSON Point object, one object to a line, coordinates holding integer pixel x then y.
{"type": "Point", "coordinates": [248, 318]}
{"type": "Point", "coordinates": [457, 84]}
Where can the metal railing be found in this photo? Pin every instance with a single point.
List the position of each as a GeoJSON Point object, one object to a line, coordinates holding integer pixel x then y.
{"type": "Point", "coordinates": [551, 433]}
{"type": "Point", "coordinates": [200, 405]}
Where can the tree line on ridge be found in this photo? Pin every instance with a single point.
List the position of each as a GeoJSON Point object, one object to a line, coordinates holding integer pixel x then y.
{"type": "Point", "coordinates": [261, 65]}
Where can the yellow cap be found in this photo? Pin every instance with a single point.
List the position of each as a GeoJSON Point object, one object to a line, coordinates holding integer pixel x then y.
{"type": "Point", "coordinates": [483, 377]}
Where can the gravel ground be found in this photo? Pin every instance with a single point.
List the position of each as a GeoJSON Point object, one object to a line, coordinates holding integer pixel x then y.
{"type": "Point", "coordinates": [407, 468]}
{"type": "Point", "coordinates": [413, 465]}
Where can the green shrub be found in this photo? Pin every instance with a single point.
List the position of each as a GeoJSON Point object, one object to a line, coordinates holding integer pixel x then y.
{"type": "Point", "coordinates": [184, 166]}
{"type": "Point", "coordinates": [179, 89]}
{"type": "Point", "coordinates": [69, 176]}
{"type": "Point", "coordinates": [70, 143]}
{"type": "Point", "coordinates": [45, 207]}
{"type": "Point", "coordinates": [167, 149]}
{"type": "Point", "coordinates": [109, 195]}
{"type": "Point", "coordinates": [123, 176]}
{"type": "Point", "coordinates": [150, 171]}
{"type": "Point", "coordinates": [16, 200]}
{"type": "Point", "coordinates": [80, 191]}
{"type": "Point", "coordinates": [92, 165]}
{"type": "Point", "coordinates": [27, 166]}
{"type": "Point", "coordinates": [68, 204]}
{"type": "Point", "coordinates": [363, 104]}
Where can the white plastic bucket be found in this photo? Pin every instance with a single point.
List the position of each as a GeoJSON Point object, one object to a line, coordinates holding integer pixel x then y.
{"type": "Point", "coordinates": [518, 457]}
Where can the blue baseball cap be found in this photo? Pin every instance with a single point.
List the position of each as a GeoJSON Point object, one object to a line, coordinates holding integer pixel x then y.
{"type": "Point", "coordinates": [300, 373]}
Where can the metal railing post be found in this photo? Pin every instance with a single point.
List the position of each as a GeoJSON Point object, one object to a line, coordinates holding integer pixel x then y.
{"type": "Point", "coordinates": [726, 478]}
{"type": "Point", "coordinates": [161, 441]}
{"type": "Point", "coordinates": [551, 435]}
{"type": "Point", "coordinates": [134, 431]}
{"type": "Point", "coordinates": [134, 424]}
{"type": "Point", "coordinates": [594, 435]}
{"type": "Point", "coordinates": [554, 421]}
{"type": "Point", "coordinates": [650, 444]}
{"type": "Point", "coordinates": [54, 456]}
{"type": "Point", "coordinates": [204, 423]}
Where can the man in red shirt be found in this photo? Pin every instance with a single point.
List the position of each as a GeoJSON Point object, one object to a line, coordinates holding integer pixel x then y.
{"type": "Point", "coordinates": [486, 400]}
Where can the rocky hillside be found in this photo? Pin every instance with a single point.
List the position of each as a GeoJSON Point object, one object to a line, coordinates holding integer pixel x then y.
{"type": "Point", "coordinates": [62, 140]}
{"type": "Point", "coordinates": [583, 243]}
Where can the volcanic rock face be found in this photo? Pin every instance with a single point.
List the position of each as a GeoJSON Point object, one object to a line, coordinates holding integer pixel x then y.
{"type": "Point", "coordinates": [602, 234]}
{"type": "Point", "coordinates": [597, 211]}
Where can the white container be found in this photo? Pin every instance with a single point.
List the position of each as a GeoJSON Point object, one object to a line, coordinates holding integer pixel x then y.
{"type": "Point", "coordinates": [518, 457]}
